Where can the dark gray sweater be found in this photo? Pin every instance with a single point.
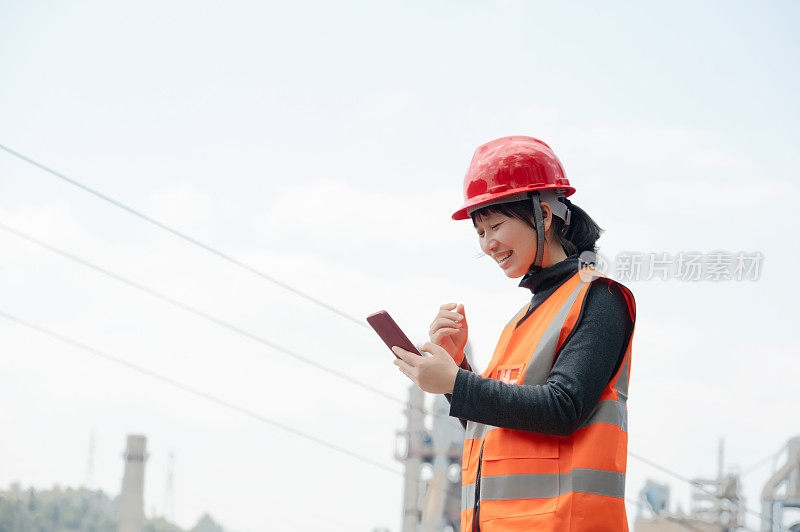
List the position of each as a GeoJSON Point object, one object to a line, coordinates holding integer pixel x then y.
{"type": "Point", "coordinates": [584, 365]}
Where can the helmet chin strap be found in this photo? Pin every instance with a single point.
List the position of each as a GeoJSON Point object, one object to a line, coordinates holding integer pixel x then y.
{"type": "Point", "coordinates": [539, 222]}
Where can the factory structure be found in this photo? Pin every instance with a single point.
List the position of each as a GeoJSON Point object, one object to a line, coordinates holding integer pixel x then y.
{"type": "Point", "coordinates": [430, 445]}
{"type": "Point", "coordinates": [717, 504]}
{"type": "Point", "coordinates": [432, 466]}
{"type": "Point", "coordinates": [430, 448]}
{"type": "Point", "coordinates": [131, 498]}
{"type": "Point", "coordinates": [782, 490]}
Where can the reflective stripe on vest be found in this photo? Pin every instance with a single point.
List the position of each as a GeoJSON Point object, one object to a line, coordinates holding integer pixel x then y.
{"type": "Point", "coordinates": [525, 475]}
{"type": "Point", "coordinates": [542, 486]}
{"type": "Point", "coordinates": [542, 360]}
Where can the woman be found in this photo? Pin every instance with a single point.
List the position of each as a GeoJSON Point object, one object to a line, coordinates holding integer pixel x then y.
{"type": "Point", "coordinates": [546, 441]}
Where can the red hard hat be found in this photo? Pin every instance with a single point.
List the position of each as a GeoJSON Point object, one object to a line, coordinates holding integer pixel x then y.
{"type": "Point", "coordinates": [508, 166]}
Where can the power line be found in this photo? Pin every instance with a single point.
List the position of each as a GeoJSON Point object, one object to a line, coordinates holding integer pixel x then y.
{"type": "Point", "coordinates": [222, 402]}
{"type": "Point", "coordinates": [763, 461]}
{"type": "Point", "coordinates": [257, 272]}
{"type": "Point", "coordinates": [207, 396]}
{"type": "Point", "coordinates": [198, 312]}
{"type": "Point", "coordinates": [681, 520]}
{"type": "Point", "coordinates": [197, 392]}
{"type": "Point", "coordinates": [694, 483]}
{"type": "Point", "coordinates": [211, 250]}
{"type": "Point", "coordinates": [214, 319]}
{"type": "Point", "coordinates": [667, 471]}
{"type": "Point", "coordinates": [188, 238]}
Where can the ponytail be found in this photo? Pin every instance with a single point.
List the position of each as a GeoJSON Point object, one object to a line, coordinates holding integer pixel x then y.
{"type": "Point", "coordinates": [582, 233]}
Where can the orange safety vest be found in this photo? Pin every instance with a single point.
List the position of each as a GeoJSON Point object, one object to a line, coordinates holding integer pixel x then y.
{"type": "Point", "coordinates": [531, 481]}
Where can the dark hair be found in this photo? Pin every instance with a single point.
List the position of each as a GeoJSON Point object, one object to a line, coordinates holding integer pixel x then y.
{"type": "Point", "coordinates": [581, 235]}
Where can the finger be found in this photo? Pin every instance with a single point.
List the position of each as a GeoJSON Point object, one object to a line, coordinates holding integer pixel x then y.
{"type": "Point", "coordinates": [404, 367]}
{"type": "Point", "coordinates": [447, 314]}
{"type": "Point", "coordinates": [400, 369]}
{"type": "Point", "coordinates": [413, 379]}
{"type": "Point", "coordinates": [410, 371]}
{"type": "Point", "coordinates": [448, 306]}
{"type": "Point", "coordinates": [455, 316]}
{"type": "Point", "coordinates": [438, 323]}
{"type": "Point", "coordinates": [406, 356]}
{"type": "Point", "coordinates": [441, 333]}
{"type": "Point", "coordinates": [460, 310]}
{"type": "Point", "coordinates": [433, 349]}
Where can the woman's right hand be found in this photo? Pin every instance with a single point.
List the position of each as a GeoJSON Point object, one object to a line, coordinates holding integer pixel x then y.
{"type": "Point", "coordinates": [449, 330]}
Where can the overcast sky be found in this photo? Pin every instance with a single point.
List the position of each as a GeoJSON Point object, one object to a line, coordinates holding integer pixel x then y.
{"type": "Point", "coordinates": [325, 143]}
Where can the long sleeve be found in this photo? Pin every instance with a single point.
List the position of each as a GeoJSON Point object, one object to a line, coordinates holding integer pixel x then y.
{"type": "Point", "coordinates": [464, 366]}
{"type": "Point", "coordinates": [583, 367]}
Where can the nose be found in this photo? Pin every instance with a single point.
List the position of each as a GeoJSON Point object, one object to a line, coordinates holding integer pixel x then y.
{"type": "Point", "coordinates": [490, 245]}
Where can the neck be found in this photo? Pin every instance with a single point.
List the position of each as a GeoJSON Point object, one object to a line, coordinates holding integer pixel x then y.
{"type": "Point", "coordinates": [553, 253]}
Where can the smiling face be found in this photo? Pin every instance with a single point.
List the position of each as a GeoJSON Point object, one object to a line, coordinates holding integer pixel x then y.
{"type": "Point", "coordinates": [508, 240]}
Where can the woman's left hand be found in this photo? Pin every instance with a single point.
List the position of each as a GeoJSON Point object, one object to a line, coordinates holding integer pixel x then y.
{"type": "Point", "coordinates": [434, 374]}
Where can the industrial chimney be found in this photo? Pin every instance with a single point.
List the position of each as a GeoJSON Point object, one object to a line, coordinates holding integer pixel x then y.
{"type": "Point", "coordinates": [131, 500]}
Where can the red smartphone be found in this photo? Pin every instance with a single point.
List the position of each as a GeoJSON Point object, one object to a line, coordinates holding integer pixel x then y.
{"type": "Point", "coordinates": [390, 333]}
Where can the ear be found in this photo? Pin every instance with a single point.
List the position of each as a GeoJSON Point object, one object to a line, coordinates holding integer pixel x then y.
{"type": "Point", "coordinates": [547, 215]}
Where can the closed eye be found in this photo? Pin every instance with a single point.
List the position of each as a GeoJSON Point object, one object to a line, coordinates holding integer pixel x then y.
{"type": "Point", "coordinates": [493, 228]}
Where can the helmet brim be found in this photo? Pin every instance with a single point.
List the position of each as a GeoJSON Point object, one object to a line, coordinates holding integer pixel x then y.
{"type": "Point", "coordinates": [489, 198]}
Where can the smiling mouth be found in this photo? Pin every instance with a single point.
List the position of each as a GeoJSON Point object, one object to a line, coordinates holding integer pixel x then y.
{"type": "Point", "coordinates": [503, 258]}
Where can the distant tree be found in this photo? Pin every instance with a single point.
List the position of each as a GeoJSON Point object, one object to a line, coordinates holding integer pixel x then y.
{"type": "Point", "coordinates": [159, 524]}
{"type": "Point", "coordinates": [55, 511]}
{"type": "Point", "coordinates": [32, 503]}
{"type": "Point", "coordinates": [206, 524]}
{"type": "Point", "coordinates": [73, 510]}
